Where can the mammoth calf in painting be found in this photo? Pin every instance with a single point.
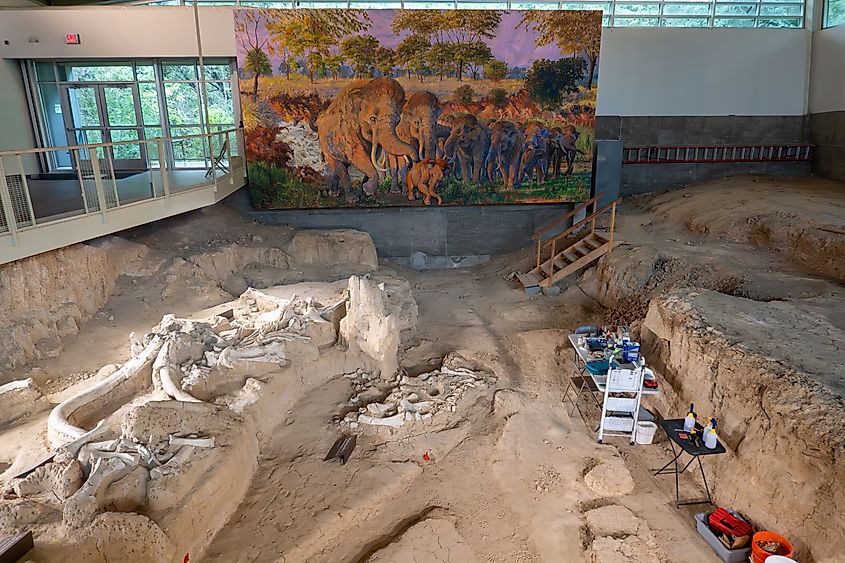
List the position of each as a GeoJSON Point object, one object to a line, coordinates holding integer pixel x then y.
{"type": "Point", "coordinates": [506, 139]}
{"type": "Point", "coordinates": [360, 122]}
{"type": "Point", "coordinates": [469, 143]}
{"type": "Point", "coordinates": [419, 128]}
{"type": "Point", "coordinates": [424, 176]}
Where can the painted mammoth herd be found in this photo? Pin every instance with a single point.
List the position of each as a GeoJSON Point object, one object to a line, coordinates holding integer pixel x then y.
{"type": "Point", "coordinates": [373, 127]}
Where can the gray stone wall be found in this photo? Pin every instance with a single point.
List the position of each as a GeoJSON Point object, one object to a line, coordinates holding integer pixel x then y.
{"type": "Point", "coordinates": [827, 132]}
{"type": "Point", "coordinates": [701, 130]}
{"type": "Point", "coordinates": [437, 231]}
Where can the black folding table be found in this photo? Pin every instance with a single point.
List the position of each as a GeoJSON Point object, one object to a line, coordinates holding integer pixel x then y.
{"type": "Point", "coordinates": [674, 428]}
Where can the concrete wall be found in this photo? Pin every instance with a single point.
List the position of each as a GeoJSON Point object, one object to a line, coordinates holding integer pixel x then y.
{"type": "Point", "coordinates": [827, 102]}
{"type": "Point", "coordinates": [15, 130]}
{"type": "Point", "coordinates": [115, 32]}
{"type": "Point", "coordinates": [718, 72]}
{"type": "Point", "coordinates": [703, 87]}
{"type": "Point", "coordinates": [702, 130]}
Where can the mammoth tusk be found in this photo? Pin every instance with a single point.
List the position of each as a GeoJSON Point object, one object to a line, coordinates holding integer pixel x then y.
{"type": "Point", "coordinates": [420, 153]}
{"type": "Point", "coordinates": [373, 156]}
{"type": "Point", "coordinates": [408, 160]}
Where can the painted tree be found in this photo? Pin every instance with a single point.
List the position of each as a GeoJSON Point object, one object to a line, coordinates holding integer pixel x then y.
{"type": "Point", "coordinates": [476, 54]}
{"type": "Point", "coordinates": [256, 62]}
{"type": "Point", "coordinates": [495, 70]}
{"type": "Point", "coordinates": [459, 28]}
{"type": "Point", "coordinates": [440, 57]}
{"type": "Point", "coordinates": [570, 31]}
{"type": "Point", "coordinates": [311, 35]}
{"type": "Point", "coordinates": [385, 60]}
{"type": "Point", "coordinates": [547, 81]}
{"type": "Point", "coordinates": [412, 54]}
{"type": "Point", "coordinates": [334, 64]}
{"type": "Point", "coordinates": [360, 51]}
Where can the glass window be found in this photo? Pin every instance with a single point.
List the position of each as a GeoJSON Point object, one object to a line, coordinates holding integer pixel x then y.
{"type": "Point", "coordinates": [44, 72]}
{"type": "Point", "coordinates": [834, 13]}
{"type": "Point", "coordinates": [120, 106]}
{"type": "Point", "coordinates": [183, 106]}
{"type": "Point", "coordinates": [684, 22]}
{"type": "Point", "coordinates": [96, 72]}
{"type": "Point", "coordinates": [179, 71]}
{"type": "Point", "coordinates": [149, 104]}
{"type": "Point", "coordinates": [734, 22]}
{"type": "Point", "coordinates": [686, 9]}
{"type": "Point", "coordinates": [637, 9]}
{"type": "Point", "coordinates": [220, 108]}
{"type": "Point", "coordinates": [145, 71]}
{"type": "Point", "coordinates": [217, 72]}
{"type": "Point", "coordinates": [635, 22]}
{"type": "Point", "coordinates": [125, 152]}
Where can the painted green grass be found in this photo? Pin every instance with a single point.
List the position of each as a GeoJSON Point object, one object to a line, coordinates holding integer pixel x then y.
{"type": "Point", "coordinates": [271, 187]}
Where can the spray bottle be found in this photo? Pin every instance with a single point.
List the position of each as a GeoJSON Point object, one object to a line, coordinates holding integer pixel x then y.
{"type": "Point", "coordinates": [710, 438]}
{"type": "Point", "coordinates": [689, 421]}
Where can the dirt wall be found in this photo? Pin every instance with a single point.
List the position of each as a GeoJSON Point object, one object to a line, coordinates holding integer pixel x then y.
{"type": "Point", "coordinates": [47, 297]}
{"type": "Point", "coordinates": [778, 402]}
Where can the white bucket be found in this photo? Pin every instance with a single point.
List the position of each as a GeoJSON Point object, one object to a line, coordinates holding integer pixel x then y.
{"type": "Point", "coordinates": [646, 432]}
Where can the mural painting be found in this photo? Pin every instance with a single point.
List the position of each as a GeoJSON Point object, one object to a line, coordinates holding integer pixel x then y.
{"type": "Point", "coordinates": [373, 108]}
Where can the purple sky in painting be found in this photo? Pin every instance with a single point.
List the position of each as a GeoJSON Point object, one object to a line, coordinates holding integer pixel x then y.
{"type": "Point", "coordinates": [514, 46]}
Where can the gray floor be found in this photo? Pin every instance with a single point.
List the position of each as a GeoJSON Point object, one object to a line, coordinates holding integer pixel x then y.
{"type": "Point", "coordinates": [56, 199]}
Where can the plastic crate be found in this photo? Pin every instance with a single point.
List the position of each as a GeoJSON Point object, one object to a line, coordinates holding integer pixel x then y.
{"type": "Point", "coordinates": [725, 554]}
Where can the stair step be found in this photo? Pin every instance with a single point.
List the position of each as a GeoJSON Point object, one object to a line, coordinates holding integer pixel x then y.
{"type": "Point", "coordinates": [528, 280]}
{"type": "Point", "coordinates": [591, 241]}
{"type": "Point", "coordinates": [581, 249]}
{"type": "Point", "coordinates": [600, 237]}
{"type": "Point", "coordinates": [561, 263]}
{"type": "Point", "coordinates": [569, 255]}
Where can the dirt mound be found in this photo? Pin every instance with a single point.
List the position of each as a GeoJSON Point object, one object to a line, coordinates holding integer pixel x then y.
{"type": "Point", "coordinates": [799, 218]}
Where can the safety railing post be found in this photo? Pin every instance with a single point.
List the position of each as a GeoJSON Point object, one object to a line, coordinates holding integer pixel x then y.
{"type": "Point", "coordinates": [8, 210]}
{"type": "Point", "coordinates": [612, 225]}
{"type": "Point", "coordinates": [26, 190]}
{"type": "Point", "coordinates": [98, 182]}
{"type": "Point", "coordinates": [552, 257]}
{"type": "Point", "coordinates": [108, 150]}
{"type": "Point", "coordinates": [229, 156]}
{"type": "Point", "coordinates": [213, 167]}
{"type": "Point", "coordinates": [162, 167]}
{"type": "Point", "coordinates": [79, 178]}
{"type": "Point", "coordinates": [539, 250]}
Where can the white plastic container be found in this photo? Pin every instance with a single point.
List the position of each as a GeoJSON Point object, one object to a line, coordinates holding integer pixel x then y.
{"type": "Point", "coordinates": [645, 432]}
{"type": "Point", "coordinates": [710, 439]}
{"type": "Point", "coordinates": [779, 559]}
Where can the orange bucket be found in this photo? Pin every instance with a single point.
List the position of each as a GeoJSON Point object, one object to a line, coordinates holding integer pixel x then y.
{"type": "Point", "coordinates": [759, 555]}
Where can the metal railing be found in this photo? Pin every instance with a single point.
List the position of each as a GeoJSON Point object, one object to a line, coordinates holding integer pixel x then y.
{"type": "Point", "coordinates": [122, 179]}
{"type": "Point", "coordinates": [701, 154]}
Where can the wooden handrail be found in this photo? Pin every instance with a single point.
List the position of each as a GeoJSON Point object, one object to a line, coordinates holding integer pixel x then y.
{"type": "Point", "coordinates": [549, 226]}
{"type": "Point", "coordinates": [592, 217]}
{"type": "Point", "coordinates": [584, 221]}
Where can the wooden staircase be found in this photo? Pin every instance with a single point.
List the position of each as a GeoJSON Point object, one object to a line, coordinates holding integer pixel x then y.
{"type": "Point", "coordinates": [579, 249]}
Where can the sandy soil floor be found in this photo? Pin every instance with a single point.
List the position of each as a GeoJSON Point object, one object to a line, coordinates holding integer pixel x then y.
{"type": "Point", "coordinates": [512, 477]}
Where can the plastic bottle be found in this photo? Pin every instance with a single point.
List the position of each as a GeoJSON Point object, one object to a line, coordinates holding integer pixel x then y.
{"type": "Point", "coordinates": [689, 421]}
{"type": "Point", "coordinates": [709, 426]}
{"type": "Point", "coordinates": [710, 438]}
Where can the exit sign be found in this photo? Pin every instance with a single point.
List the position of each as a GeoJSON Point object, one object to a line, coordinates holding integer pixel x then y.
{"type": "Point", "coordinates": [72, 38]}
